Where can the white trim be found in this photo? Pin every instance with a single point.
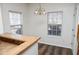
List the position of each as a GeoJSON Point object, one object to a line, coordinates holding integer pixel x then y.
{"type": "Point", "coordinates": [74, 33]}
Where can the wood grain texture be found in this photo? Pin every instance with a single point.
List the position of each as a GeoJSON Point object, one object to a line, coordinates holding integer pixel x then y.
{"type": "Point", "coordinates": [5, 46]}
{"type": "Point", "coordinates": [28, 42]}
{"type": "Point", "coordinates": [44, 49]}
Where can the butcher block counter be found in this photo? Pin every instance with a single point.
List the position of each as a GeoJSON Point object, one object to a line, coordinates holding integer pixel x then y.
{"type": "Point", "coordinates": [13, 44]}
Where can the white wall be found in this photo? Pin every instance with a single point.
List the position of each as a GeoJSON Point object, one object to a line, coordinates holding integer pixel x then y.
{"type": "Point", "coordinates": [1, 23]}
{"type": "Point", "coordinates": [19, 7]}
{"type": "Point", "coordinates": [37, 25]}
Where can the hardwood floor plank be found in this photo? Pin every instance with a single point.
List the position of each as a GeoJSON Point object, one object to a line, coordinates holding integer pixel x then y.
{"type": "Point", "coordinates": [45, 49]}
{"type": "Point", "coordinates": [49, 51]}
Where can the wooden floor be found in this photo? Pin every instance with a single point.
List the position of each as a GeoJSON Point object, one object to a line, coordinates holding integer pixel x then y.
{"type": "Point", "coordinates": [44, 49]}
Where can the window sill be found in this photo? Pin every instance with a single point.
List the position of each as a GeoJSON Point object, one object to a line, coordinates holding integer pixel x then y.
{"type": "Point", "coordinates": [54, 36]}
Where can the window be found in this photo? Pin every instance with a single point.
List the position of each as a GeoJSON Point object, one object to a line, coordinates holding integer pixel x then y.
{"type": "Point", "coordinates": [55, 23]}
{"type": "Point", "coordinates": [15, 22]}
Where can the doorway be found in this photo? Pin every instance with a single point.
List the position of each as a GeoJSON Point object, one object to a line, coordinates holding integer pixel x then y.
{"type": "Point", "coordinates": [78, 38]}
{"type": "Point", "coordinates": [78, 35]}
{"type": "Point", "coordinates": [78, 29]}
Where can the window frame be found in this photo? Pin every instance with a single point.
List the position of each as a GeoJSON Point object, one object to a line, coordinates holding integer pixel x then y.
{"type": "Point", "coordinates": [48, 24]}
{"type": "Point", "coordinates": [20, 20]}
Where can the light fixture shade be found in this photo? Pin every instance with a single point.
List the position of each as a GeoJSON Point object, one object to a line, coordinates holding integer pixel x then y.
{"type": "Point", "coordinates": [40, 11]}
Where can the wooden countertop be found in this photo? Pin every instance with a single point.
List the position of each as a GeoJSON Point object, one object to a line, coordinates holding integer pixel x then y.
{"type": "Point", "coordinates": [28, 42]}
